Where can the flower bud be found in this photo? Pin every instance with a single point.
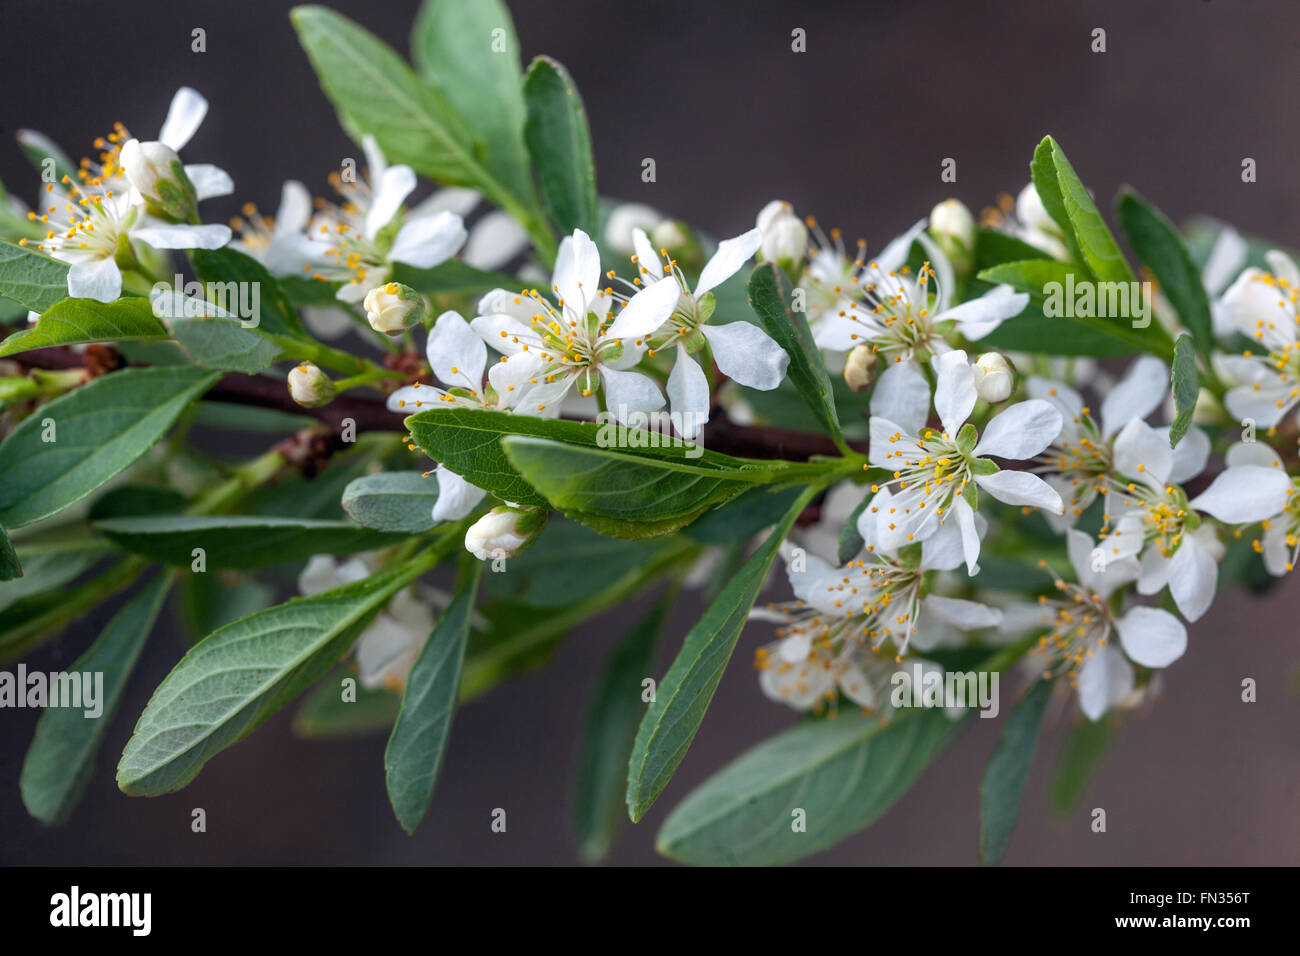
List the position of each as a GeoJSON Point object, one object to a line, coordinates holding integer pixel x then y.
{"type": "Point", "coordinates": [157, 172]}
{"type": "Point", "coordinates": [953, 227]}
{"type": "Point", "coordinates": [680, 242]}
{"type": "Point", "coordinates": [309, 386]}
{"type": "Point", "coordinates": [785, 242]}
{"type": "Point", "coordinates": [392, 308]}
{"type": "Point", "coordinates": [860, 367]}
{"type": "Point", "coordinates": [504, 532]}
{"type": "Point", "coordinates": [994, 377]}
{"type": "Point", "coordinates": [625, 218]}
{"type": "Point", "coordinates": [771, 213]}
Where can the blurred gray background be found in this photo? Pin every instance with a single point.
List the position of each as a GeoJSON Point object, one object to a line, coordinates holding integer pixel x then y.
{"type": "Point", "coordinates": [853, 131]}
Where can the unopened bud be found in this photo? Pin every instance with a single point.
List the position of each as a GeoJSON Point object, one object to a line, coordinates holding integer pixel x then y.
{"type": "Point", "coordinates": [624, 220]}
{"type": "Point", "coordinates": [392, 308]}
{"type": "Point", "coordinates": [785, 242]}
{"type": "Point", "coordinates": [309, 386]}
{"type": "Point", "coordinates": [504, 532]}
{"type": "Point", "coordinates": [953, 227]}
{"type": "Point", "coordinates": [859, 367]}
{"type": "Point", "coordinates": [680, 242]}
{"type": "Point", "coordinates": [157, 172]}
{"type": "Point", "coordinates": [994, 377]}
{"type": "Point", "coordinates": [771, 213]}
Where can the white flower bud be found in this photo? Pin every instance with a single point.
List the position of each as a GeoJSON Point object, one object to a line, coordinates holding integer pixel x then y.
{"type": "Point", "coordinates": [392, 308]}
{"type": "Point", "coordinates": [771, 213]}
{"type": "Point", "coordinates": [1031, 211]}
{"type": "Point", "coordinates": [952, 220]}
{"type": "Point", "coordinates": [156, 171]}
{"type": "Point", "coordinates": [624, 219]}
{"type": "Point", "coordinates": [994, 377]}
{"type": "Point", "coordinates": [669, 234]}
{"type": "Point", "coordinates": [504, 532]}
{"type": "Point", "coordinates": [785, 242]}
{"type": "Point", "coordinates": [309, 386]}
{"type": "Point", "coordinates": [860, 367]}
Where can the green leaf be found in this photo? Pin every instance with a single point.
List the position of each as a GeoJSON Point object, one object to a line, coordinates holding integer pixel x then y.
{"type": "Point", "coordinates": [10, 566]}
{"type": "Point", "coordinates": [560, 146]}
{"type": "Point", "coordinates": [79, 321]}
{"type": "Point", "coordinates": [49, 570]}
{"type": "Point", "coordinates": [1185, 383]}
{"type": "Point", "coordinates": [452, 278]}
{"type": "Point", "coordinates": [392, 501]}
{"type": "Point", "coordinates": [784, 407]}
{"type": "Point", "coordinates": [236, 677]}
{"type": "Point", "coordinates": [769, 296]}
{"type": "Point", "coordinates": [325, 714]}
{"type": "Point", "coordinates": [210, 601]}
{"type": "Point", "coordinates": [1054, 288]}
{"type": "Point", "coordinates": [1079, 760]}
{"type": "Point", "coordinates": [1003, 783]}
{"type": "Point", "coordinates": [223, 345]}
{"type": "Point", "coordinates": [1159, 245]}
{"type": "Point", "coordinates": [684, 694]}
{"type": "Point", "coordinates": [31, 279]}
{"type": "Point", "coordinates": [842, 773]}
{"type": "Point", "coordinates": [612, 718]}
{"type": "Point", "coordinates": [99, 429]}
{"type": "Point", "coordinates": [239, 541]}
{"type": "Point", "coordinates": [468, 441]}
{"type": "Point", "coordinates": [415, 748]}
{"type": "Point", "coordinates": [468, 51]}
{"type": "Point", "coordinates": [61, 759]}
{"type": "Point", "coordinates": [1067, 201]}
{"type": "Point", "coordinates": [228, 271]}
{"type": "Point", "coordinates": [743, 516]}
{"type": "Point", "coordinates": [38, 148]}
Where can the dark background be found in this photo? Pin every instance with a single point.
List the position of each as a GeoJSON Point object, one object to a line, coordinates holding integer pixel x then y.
{"type": "Point", "coordinates": [853, 131]}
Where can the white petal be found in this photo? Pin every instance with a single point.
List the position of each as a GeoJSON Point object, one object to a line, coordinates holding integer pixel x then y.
{"type": "Point", "coordinates": [183, 237]}
{"type": "Point", "coordinates": [954, 391]}
{"type": "Point", "coordinates": [1281, 265]}
{"type": "Point", "coordinates": [967, 615]}
{"type": "Point", "coordinates": [1113, 573]}
{"type": "Point", "coordinates": [98, 279]}
{"type": "Point", "coordinates": [647, 260]}
{"type": "Point", "coordinates": [1245, 493]}
{"type": "Point", "coordinates": [942, 551]}
{"type": "Point", "coordinates": [970, 536]}
{"type": "Point", "coordinates": [391, 189]}
{"type": "Point", "coordinates": [1154, 574]}
{"type": "Point", "coordinates": [1066, 399]}
{"type": "Point", "coordinates": [902, 395]}
{"type": "Point", "coordinates": [731, 255]}
{"type": "Point", "coordinates": [184, 117]}
{"type": "Point", "coordinates": [455, 199]}
{"type": "Point", "coordinates": [505, 333]}
{"type": "Point", "coordinates": [1193, 577]}
{"type": "Point", "coordinates": [1141, 452]}
{"type": "Point", "coordinates": [746, 354]}
{"type": "Point", "coordinates": [456, 496]}
{"type": "Point", "coordinates": [978, 317]}
{"type": "Point", "coordinates": [1226, 259]}
{"type": "Point", "coordinates": [646, 311]}
{"type": "Point", "coordinates": [688, 391]}
{"type": "Point", "coordinates": [895, 254]}
{"type": "Point", "coordinates": [1105, 679]}
{"type": "Point", "coordinates": [1190, 457]}
{"type": "Point", "coordinates": [1021, 488]}
{"type": "Point", "coordinates": [1021, 430]}
{"type": "Point", "coordinates": [1252, 453]}
{"type": "Point", "coordinates": [1264, 404]}
{"type": "Point", "coordinates": [494, 240]}
{"type": "Point", "coordinates": [425, 243]}
{"type": "Point", "coordinates": [294, 211]}
{"type": "Point", "coordinates": [1138, 393]}
{"type": "Point", "coordinates": [209, 181]}
{"type": "Point", "coordinates": [628, 392]}
{"type": "Point", "coordinates": [577, 270]}
{"type": "Point", "coordinates": [456, 354]}
{"type": "Point", "coordinates": [514, 378]}
{"type": "Point", "coordinates": [1152, 637]}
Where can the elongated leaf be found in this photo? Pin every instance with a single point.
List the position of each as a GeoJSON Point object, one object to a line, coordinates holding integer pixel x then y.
{"type": "Point", "coordinates": [50, 570]}
{"type": "Point", "coordinates": [98, 429]}
{"type": "Point", "coordinates": [392, 501]}
{"type": "Point", "coordinates": [375, 92]}
{"type": "Point", "coordinates": [769, 296]}
{"type": "Point", "coordinates": [452, 278]}
{"type": "Point", "coordinates": [560, 145]}
{"type": "Point", "coordinates": [79, 321]}
{"type": "Point", "coordinates": [414, 753]}
{"type": "Point", "coordinates": [612, 719]}
{"type": "Point", "coordinates": [222, 345]}
{"type": "Point", "coordinates": [468, 51]}
{"type": "Point", "coordinates": [61, 759]}
{"type": "Point", "coordinates": [1079, 759]}
{"type": "Point", "coordinates": [234, 278]}
{"type": "Point", "coordinates": [744, 516]}
{"type": "Point", "coordinates": [684, 694]}
{"type": "Point", "coordinates": [1003, 783]}
{"type": "Point", "coordinates": [239, 675]}
{"type": "Point", "coordinates": [1159, 245]}
{"type": "Point", "coordinates": [468, 441]}
{"type": "Point", "coordinates": [31, 279]}
{"type": "Point", "coordinates": [1185, 382]}
{"type": "Point", "coordinates": [239, 541]}
{"type": "Point", "coordinates": [1058, 288]}
{"type": "Point", "coordinates": [10, 566]}
{"type": "Point", "coordinates": [843, 774]}
{"type": "Point", "coordinates": [1067, 201]}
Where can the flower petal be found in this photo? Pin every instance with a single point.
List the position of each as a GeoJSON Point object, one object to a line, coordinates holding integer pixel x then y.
{"type": "Point", "coordinates": [1021, 430]}
{"type": "Point", "coordinates": [184, 117]}
{"type": "Point", "coordinates": [646, 311]}
{"type": "Point", "coordinates": [425, 243]}
{"type": "Point", "coordinates": [1193, 577]}
{"type": "Point", "coordinates": [976, 318]}
{"type": "Point", "coordinates": [967, 615]}
{"type": "Point", "coordinates": [183, 237]}
{"type": "Point", "coordinates": [1190, 457]}
{"type": "Point", "coordinates": [98, 279]}
{"type": "Point", "coordinates": [209, 181]}
{"type": "Point", "coordinates": [456, 496]}
{"type": "Point", "coordinates": [577, 270]}
{"type": "Point", "coordinates": [954, 391]}
{"type": "Point", "coordinates": [391, 188]}
{"type": "Point", "coordinates": [495, 240]}
{"type": "Point", "coordinates": [628, 392]}
{"type": "Point", "coordinates": [1152, 637]}
{"type": "Point", "coordinates": [1137, 395]}
{"type": "Point", "coordinates": [726, 262]}
{"type": "Point", "coordinates": [688, 391]}
{"type": "Point", "coordinates": [902, 395]}
{"type": "Point", "coordinates": [456, 354]}
{"type": "Point", "coordinates": [746, 354]}
{"type": "Point", "coordinates": [1021, 488]}
{"type": "Point", "coordinates": [1105, 680]}
{"type": "Point", "coordinates": [1141, 452]}
{"type": "Point", "coordinates": [1245, 493]}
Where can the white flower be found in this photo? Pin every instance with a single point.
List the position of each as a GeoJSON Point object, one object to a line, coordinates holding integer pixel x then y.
{"type": "Point", "coordinates": [936, 473]}
{"type": "Point", "coordinates": [1225, 262]}
{"type": "Point", "coordinates": [389, 646]}
{"type": "Point", "coordinates": [309, 386]}
{"type": "Point", "coordinates": [1081, 622]}
{"type": "Point", "coordinates": [1263, 306]}
{"type": "Point", "coordinates": [1255, 482]}
{"type": "Point", "coordinates": [504, 532]}
{"type": "Point", "coordinates": [994, 377]}
{"type": "Point", "coordinates": [742, 351]}
{"type": "Point", "coordinates": [279, 243]}
{"type": "Point", "coordinates": [548, 350]}
{"type": "Point", "coordinates": [392, 308]}
{"type": "Point", "coordinates": [358, 241]}
{"type": "Point", "coordinates": [785, 237]}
